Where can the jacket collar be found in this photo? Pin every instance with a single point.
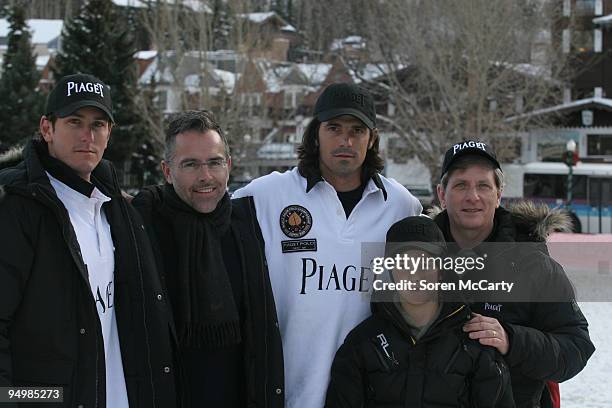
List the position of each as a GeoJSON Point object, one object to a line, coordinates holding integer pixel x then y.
{"type": "Point", "coordinates": [102, 177]}
{"type": "Point", "coordinates": [62, 172]}
{"type": "Point", "coordinates": [313, 179]}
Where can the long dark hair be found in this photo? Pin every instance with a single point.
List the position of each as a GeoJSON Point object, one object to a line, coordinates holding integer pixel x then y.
{"type": "Point", "coordinates": [308, 154]}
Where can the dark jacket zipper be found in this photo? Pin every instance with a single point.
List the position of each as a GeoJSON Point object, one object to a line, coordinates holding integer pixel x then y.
{"type": "Point", "coordinates": [124, 209]}
{"type": "Point", "coordinates": [44, 199]}
{"type": "Point", "coordinates": [265, 297]}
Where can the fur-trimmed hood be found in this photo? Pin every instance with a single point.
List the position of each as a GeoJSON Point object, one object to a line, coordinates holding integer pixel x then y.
{"type": "Point", "coordinates": [532, 221]}
{"type": "Point", "coordinates": [11, 157]}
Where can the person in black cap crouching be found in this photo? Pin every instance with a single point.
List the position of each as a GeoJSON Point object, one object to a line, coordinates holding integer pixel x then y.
{"type": "Point", "coordinates": [81, 303]}
{"type": "Point", "coordinates": [412, 351]}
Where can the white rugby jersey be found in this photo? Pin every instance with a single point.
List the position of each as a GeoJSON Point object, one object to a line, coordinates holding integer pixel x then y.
{"type": "Point", "coordinates": [321, 288]}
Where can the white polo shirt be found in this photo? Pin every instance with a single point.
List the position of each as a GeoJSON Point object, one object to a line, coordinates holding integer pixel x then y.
{"type": "Point", "coordinates": [95, 241]}
{"type": "Point", "coordinates": [321, 284]}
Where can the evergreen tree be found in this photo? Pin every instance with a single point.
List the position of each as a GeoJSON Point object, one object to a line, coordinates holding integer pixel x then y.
{"type": "Point", "coordinates": [281, 8]}
{"type": "Point", "coordinates": [21, 104]}
{"type": "Point", "coordinates": [99, 41]}
{"type": "Point", "coordinates": [149, 150]}
{"type": "Point", "coordinates": [221, 25]}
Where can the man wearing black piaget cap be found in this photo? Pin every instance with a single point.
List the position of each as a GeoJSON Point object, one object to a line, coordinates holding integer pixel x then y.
{"type": "Point", "coordinates": [81, 304]}
{"type": "Point", "coordinates": [544, 338]}
{"type": "Point", "coordinates": [313, 219]}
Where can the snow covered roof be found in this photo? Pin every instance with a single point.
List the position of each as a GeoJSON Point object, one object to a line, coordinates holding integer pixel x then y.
{"type": "Point", "coordinates": [369, 72]}
{"type": "Point", "coordinates": [259, 18]}
{"type": "Point", "coordinates": [228, 79]}
{"type": "Point", "coordinates": [605, 103]}
{"type": "Point", "coordinates": [145, 55]}
{"type": "Point", "coordinates": [195, 5]}
{"type": "Point", "coordinates": [354, 41]}
{"type": "Point", "coordinates": [288, 27]}
{"type": "Point", "coordinates": [152, 71]}
{"type": "Point", "coordinates": [192, 79]}
{"type": "Point", "coordinates": [43, 31]}
{"type": "Point", "coordinates": [315, 73]}
{"type": "Point", "coordinates": [274, 74]}
{"type": "Point", "coordinates": [603, 20]}
{"type": "Point", "coordinates": [42, 61]}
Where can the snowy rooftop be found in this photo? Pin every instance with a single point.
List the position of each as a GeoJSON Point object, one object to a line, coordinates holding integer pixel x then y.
{"type": "Point", "coordinates": [145, 55]}
{"type": "Point", "coordinates": [192, 80]}
{"type": "Point", "coordinates": [369, 72]}
{"type": "Point", "coordinates": [605, 102]}
{"type": "Point", "coordinates": [228, 79]}
{"type": "Point", "coordinates": [43, 31]}
{"type": "Point", "coordinates": [42, 61]}
{"type": "Point", "coordinates": [195, 5]}
{"type": "Point", "coordinates": [354, 41]}
{"type": "Point", "coordinates": [259, 18]}
{"type": "Point", "coordinates": [603, 20]}
{"type": "Point", "coordinates": [315, 73]}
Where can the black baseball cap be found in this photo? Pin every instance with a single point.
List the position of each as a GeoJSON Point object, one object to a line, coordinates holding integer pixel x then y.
{"type": "Point", "coordinates": [77, 91]}
{"type": "Point", "coordinates": [418, 232]}
{"type": "Point", "coordinates": [469, 147]}
{"type": "Point", "coordinates": [346, 99]}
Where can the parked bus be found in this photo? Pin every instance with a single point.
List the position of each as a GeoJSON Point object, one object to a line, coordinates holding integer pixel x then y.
{"type": "Point", "coordinates": [546, 182]}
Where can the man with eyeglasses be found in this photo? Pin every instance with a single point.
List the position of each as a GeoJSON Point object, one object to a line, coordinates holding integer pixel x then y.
{"type": "Point", "coordinates": [212, 257]}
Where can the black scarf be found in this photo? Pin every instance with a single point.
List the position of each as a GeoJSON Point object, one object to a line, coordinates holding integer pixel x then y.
{"type": "Point", "coordinates": [205, 311]}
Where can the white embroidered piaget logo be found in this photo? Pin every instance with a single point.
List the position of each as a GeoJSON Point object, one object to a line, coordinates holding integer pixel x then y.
{"type": "Point", "coordinates": [78, 87]}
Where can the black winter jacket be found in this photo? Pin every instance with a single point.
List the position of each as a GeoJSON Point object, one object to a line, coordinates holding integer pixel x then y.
{"type": "Point", "coordinates": [549, 341]}
{"type": "Point", "coordinates": [50, 333]}
{"type": "Point", "coordinates": [380, 364]}
{"type": "Point", "coordinates": [262, 346]}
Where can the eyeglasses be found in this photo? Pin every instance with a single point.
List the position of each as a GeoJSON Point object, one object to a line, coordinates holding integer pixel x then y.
{"type": "Point", "coordinates": [193, 166]}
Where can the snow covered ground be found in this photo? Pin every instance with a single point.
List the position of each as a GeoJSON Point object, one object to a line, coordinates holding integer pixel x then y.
{"type": "Point", "coordinates": [592, 388]}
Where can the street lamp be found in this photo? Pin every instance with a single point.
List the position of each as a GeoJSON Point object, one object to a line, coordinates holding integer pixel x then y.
{"type": "Point", "coordinates": [570, 158]}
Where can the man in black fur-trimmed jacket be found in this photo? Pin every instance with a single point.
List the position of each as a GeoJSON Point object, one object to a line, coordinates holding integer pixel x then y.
{"type": "Point", "coordinates": [81, 303]}
{"type": "Point", "coordinates": [544, 341]}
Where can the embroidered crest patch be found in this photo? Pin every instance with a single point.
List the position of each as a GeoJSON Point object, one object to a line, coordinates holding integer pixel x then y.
{"type": "Point", "coordinates": [295, 221]}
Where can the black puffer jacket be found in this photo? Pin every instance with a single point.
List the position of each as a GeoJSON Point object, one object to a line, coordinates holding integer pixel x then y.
{"type": "Point", "coordinates": [261, 347]}
{"type": "Point", "coordinates": [548, 340]}
{"type": "Point", "coordinates": [381, 365]}
{"type": "Point", "coordinates": [50, 333]}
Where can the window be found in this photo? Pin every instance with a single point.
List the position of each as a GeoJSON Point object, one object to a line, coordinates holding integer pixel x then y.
{"type": "Point", "coordinates": [599, 145]}
{"type": "Point", "coordinates": [519, 104]}
{"type": "Point", "coordinates": [161, 100]}
{"type": "Point", "coordinates": [251, 98]}
{"type": "Point", "coordinates": [492, 105]}
{"type": "Point", "coordinates": [585, 7]}
{"type": "Point", "coordinates": [598, 92]}
{"type": "Point", "coordinates": [567, 95]}
{"type": "Point", "coordinates": [292, 99]}
{"type": "Point", "coordinates": [553, 186]}
{"type": "Point", "coordinates": [583, 41]}
{"type": "Point", "coordinates": [598, 7]}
